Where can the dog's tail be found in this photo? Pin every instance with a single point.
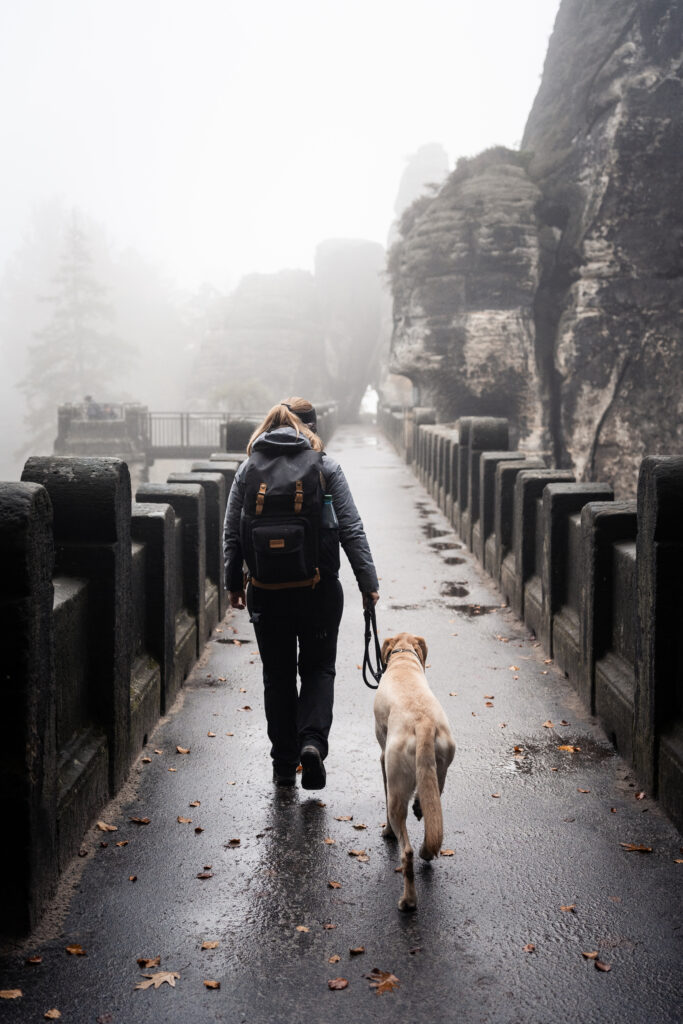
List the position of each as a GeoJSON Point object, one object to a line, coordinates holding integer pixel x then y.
{"type": "Point", "coordinates": [428, 790]}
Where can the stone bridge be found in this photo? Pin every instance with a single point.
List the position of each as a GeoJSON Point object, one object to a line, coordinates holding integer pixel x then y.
{"type": "Point", "coordinates": [554, 619]}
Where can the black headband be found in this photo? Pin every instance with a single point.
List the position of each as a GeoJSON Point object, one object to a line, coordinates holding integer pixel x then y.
{"type": "Point", "coordinates": [309, 417]}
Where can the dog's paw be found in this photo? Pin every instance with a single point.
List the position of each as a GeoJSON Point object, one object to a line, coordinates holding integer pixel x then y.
{"type": "Point", "coordinates": [417, 808]}
{"type": "Point", "coordinates": [426, 854]}
{"type": "Point", "coordinates": [388, 832]}
{"type": "Point", "coordinates": [407, 904]}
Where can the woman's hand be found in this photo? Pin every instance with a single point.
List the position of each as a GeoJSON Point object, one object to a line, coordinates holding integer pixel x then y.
{"type": "Point", "coordinates": [237, 599]}
{"type": "Point", "coordinates": [371, 599]}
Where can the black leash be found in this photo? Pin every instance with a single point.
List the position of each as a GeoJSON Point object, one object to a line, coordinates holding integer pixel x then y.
{"type": "Point", "coordinates": [370, 629]}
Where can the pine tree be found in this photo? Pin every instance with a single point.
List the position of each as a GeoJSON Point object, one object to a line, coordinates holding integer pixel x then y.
{"type": "Point", "coordinates": [76, 353]}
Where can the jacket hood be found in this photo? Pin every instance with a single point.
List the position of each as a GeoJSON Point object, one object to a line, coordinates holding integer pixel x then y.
{"type": "Point", "coordinates": [281, 441]}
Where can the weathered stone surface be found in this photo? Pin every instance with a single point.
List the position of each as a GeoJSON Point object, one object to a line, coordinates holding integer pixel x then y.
{"type": "Point", "coordinates": [464, 280]}
{"type": "Point", "coordinates": [546, 285]}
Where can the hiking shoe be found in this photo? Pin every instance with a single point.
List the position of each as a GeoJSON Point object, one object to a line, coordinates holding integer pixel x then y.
{"type": "Point", "coordinates": [313, 775]}
{"type": "Point", "coordinates": [284, 778]}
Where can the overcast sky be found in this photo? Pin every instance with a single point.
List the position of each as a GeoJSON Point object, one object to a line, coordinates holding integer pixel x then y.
{"type": "Point", "coordinates": [220, 138]}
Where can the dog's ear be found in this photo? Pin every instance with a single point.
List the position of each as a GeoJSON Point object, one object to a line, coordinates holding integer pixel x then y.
{"type": "Point", "coordinates": [422, 644]}
{"type": "Point", "coordinates": [387, 648]}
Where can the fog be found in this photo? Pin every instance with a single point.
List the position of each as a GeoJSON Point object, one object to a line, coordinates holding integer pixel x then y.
{"type": "Point", "coordinates": [201, 142]}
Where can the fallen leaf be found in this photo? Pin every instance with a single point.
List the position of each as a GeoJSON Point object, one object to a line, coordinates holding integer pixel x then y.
{"type": "Point", "coordinates": [517, 748]}
{"type": "Point", "coordinates": [212, 735]}
{"type": "Point", "coordinates": [207, 867]}
{"type": "Point", "coordinates": [210, 983]}
{"type": "Point", "coordinates": [570, 907]}
{"type": "Point", "coordinates": [591, 956]}
{"type": "Point", "coordinates": [104, 1018]}
{"type": "Point", "coordinates": [204, 875]}
{"type": "Point", "coordinates": [344, 817]}
{"type": "Point", "coordinates": [123, 842]}
{"type": "Point", "coordinates": [172, 769]}
{"type": "Point", "coordinates": [356, 853]}
{"type": "Point", "coordinates": [183, 750]}
{"type": "Point", "coordinates": [547, 661]}
{"type": "Point", "coordinates": [76, 950]}
{"type": "Point", "coordinates": [359, 827]}
{"type": "Point", "coordinates": [209, 944]}
{"type": "Point", "coordinates": [158, 979]}
{"type": "Point", "coordinates": [678, 861]}
{"type": "Point", "coordinates": [243, 689]}
{"type": "Point", "coordinates": [233, 842]}
{"type": "Point", "coordinates": [583, 790]}
{"type": "Point", "coordinates": [337, 983]}
{"type": "Point", "coordinates": [52, 1014]}
{"type": "Point", "coordinates": [447, 853]}
{"type": "Point", "coordinates": [599, 966]}
{"type": "Point", "coordinates": [334, 885]}
{"type": "Point", "coordinates": [82, 853]}
{"type": "Point", "coordinates": [452, 694]}
{"type": "Point", "coordinates": [321, 803]}
{"type": "Point", "coordinates": [356, 950]}
{"type": "Point", "coordinates": [103, 846]}
{"type": "Point", "coordinates": [10, 993]}
{"type": "Point", "coordinates": [414, 950]}
{"type": "Point", "coordinates": [245, 708]}
{"type": "Point", "coordinates": [35, 960]}
{"type": "Point", "coordinates": [563, 722]}
{"type": "Point", "coordinates": [104, 827]}
{"type": "Point", "coordinates": [237, 643]}
{"type": "Point", "coordinates": [330, 842]}
{"type": "Point", "coordinates": [140, 821]}
{"type": "Point", "coordinates": [229, 734]}
{"type": "Point", "coordinates": [489, 696]}
{"type": "Point", "coordinates": [146, 760]}
{"type": "Point", "coordinates": [233, 783]}
{"type": "Point", "coordinates": [334, 959]}
{"type": "Point", "coordinates": [147, 962]}
{"type": "Point", "coordinates": [613, 810]}
{"type": "Point", "coordinates": [569, 748]}
{"type": "Point", "coordinates": [489, 704]}
{"type": "Point", "coordinates": [198, 829]}
{"type": "Point", "coordinates": [183, 821]}
{"type": "Point", "coordinates": [158, 751]}
{"type": "Point", "coordinates": [302, 928]}
{"type": "Point", "coordinates": [513, 668]}
{"type": "Point", "coordinates": [328, 927]}
{"type": "Point", "coordinates": [529, 948]}
{"type": "Point", "coordinates": [496, 796]}
{"type": "Point", "coordinates": [195, 803]}
{"type": "Point", "coordinates": [636, 848]}
{"type": "Point", "coordinates": [548, 725]}
{"type": "Point", "coordinates": [132, 878]}
{"type": "Point", "coordinates": [382, 981]}
{"type": "Point", "coordinates": [640, 796]}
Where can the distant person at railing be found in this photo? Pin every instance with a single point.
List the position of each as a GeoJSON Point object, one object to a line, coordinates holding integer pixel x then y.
{"type": "Point", "coordinates": [93, 410]}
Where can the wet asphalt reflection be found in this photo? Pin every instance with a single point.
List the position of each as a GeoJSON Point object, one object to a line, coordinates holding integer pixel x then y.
{"type": "Point", "coordinates": [287, 883]}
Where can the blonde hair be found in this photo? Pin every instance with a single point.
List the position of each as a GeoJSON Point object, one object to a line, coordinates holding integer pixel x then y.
{"type": "Point", "coordinates": [284, 415]}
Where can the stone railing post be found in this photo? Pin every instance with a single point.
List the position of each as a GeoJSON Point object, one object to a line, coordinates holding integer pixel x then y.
{"type": "Point", "coordinates": [28, 765]}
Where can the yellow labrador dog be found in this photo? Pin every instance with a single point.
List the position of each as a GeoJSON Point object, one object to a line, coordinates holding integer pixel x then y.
{"type": "Point", "coordinates": [417, 748]}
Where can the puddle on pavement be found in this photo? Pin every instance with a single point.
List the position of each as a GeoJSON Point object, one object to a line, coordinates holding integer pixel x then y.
{"type": "Point", "coordinates": [533, 756]}
{"type": "Point", "coordinates": [454, 561]}
{"type": "Point", "coordinates": [405, 607]}
{"type": "Point", "coordinates": [445, 545]}
{"type": "Point", "coordinates": [454, 590]}
{"type": "Point", "coordinates": [430, 530]}
{"type": "Point", "coordinates": [473, 610]}
{"type": "Point", "coordinates": [231, 640]}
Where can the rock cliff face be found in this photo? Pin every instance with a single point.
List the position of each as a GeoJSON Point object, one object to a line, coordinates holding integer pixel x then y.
{"type": "Point", "coordinates": [564, 298]}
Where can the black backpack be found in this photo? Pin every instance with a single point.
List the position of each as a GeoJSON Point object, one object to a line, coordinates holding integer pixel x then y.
{"type": "Point", "coordinates": [280, 524]}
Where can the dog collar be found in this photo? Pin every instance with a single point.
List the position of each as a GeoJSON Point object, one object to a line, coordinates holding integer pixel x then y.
{"type": "Point", "coordinates": [405, 650]}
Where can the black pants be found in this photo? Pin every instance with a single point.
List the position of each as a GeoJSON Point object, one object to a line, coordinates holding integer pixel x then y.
{"type": "Point", "coordinates": [297, 628]}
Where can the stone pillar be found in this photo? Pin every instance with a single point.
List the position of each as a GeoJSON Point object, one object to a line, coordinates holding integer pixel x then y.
{"type": "Point", "coordinates": [487, 503]}
{"type": "Point", "coordinates": [28, 768]}
{"type": "Point", "coordinates": [214, 503]}
{"type": "Point", "coordinates": [91, 503]}
{"type": "Point", "coordinates": [487, 433]}
{"type": "Point", "coordinates": [153, 526]}
{"type": "Point", "coordinates": [503, 512]}
{"type": "Point", "coordinates": [658, 717]}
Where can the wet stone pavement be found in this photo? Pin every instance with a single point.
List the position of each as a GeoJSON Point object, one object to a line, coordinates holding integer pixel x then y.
{"type": "Point", "coordinates": [534, 830]}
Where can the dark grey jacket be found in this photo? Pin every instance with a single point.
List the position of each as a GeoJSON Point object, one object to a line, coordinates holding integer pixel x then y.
{"type": "Point", "coordinates": [351, 532]}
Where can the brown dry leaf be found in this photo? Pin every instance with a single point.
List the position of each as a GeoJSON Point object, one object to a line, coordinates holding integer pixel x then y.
{"type": "Point", "coordinates": [237, 643]}
{"type": "Point", "coordinates": [233, 783]}
{"type": "Point", "coordinates": [195, 803]}
{"type": "Point", "coordinates": [233, 842]}
{"type": "Point", "coordinates": [158, 979]}
{"type": "Point", "coordinates": [452, 694]}
{"type": "Point", "coordinates": [140, 821]}
{"type": "Point", "coordinates": [148, 962]}
{"type": "Point", "coordinates": [35, 960]}
{"type": "Point", "coordinates": [356, 853]}
{"type": "Point", "coordinates": [447, 853]}
{"type": "Point", "coordinates": [513, 668]}
{"type": "Point", "coordinates": [359, 827]}
{"type": "Point", "coordinates": [172, 769]}
{"type": "Point", "coordinates": [210, 983]}
{"type": "Point", "coordinates": [570, 907]}
{"type": "Point", "coordinates": [363, 858]}
{"type": "Point", "coordinates": [570, 748]}
{"type": "Point", "coordinates": [183, 821]}
{"type": "Point", "coordinates": [564, 722]}
{"type": "Point", "coordinates": [338, 983]}
{"type": "Point", "coordinates": [328, 927]}
{"type": "Point", "coordinates": [344, 817]}
{"type": "Point", "coordinates": [334, 959]}
{"type": "Point", "coordinates": [146, 760]}
{"type": "Point", "coordinates": [243, 689]}
{"type": "Point", "coordinates": [678, 861]}
{"type": "Point", "coordinates": [198, 829]}
{"type": "Point", "coordinates": [547, 661]}
{"type": "Point", "coordinates": [599, 966]}
{"type": "Point", "coordinates": [76, 950]}
{"type": "Point", "coordinates": [245, 708]}
{"type": "Point", "coordinates": [183, 750]}
{"type": "Point", "coordinates": [132, 878]}
{"type": "Point", "coordinates": [123, 842]}
{"type": "Point", "coordinates": [548, 725]}
{"type": "Point", "coordinates": [207, 867]}
{"type": "Point", "coordinates": [517, 748]}
{"type": "Point", "coordinates": [640, 796]}
{"type": "Point", "coordinates": [321, 803]}
{"type": "Point", "coordinates": [636, 848]}
{"type": "Point", "coordinates": [382, 981]}
{"type": "Point", "coordinates": [204, 874]}
{"type": "Point", "coordinates": [209, 944]}
{"type": "Point", "coordinates": [10, 993]}
{"type": "Point", "coordinates": [53, 1014]}
{"type": "Point", "coordinates": [489, 704]}
{"type": "Point", "coordinates": [329, 842]}
{"type": "Point", "coordinates": [579, 790]}
{"type": "Point", "coordinates": [229, 734]}
{"type": "Point", "coordinates": [591, 956]}
{"type": "Point", "coordinates": [334, 885]}
{"type": "Point", "coordinates": [529, 948]}
{"type": "Point", "coordinates": [158, 751]}
{"type": "Point", "coordinates": [222, 679]}
{"type": "Point", "coordinates": [496, 796]}
{"type": "Point", "coordinates": [104, 827]}
{"type": "Point", "coordinates": [356, 950]}
{"type": "Point", "coordinates": [302, 928]}
{"type": "Point", "coordinates": [212, 735]}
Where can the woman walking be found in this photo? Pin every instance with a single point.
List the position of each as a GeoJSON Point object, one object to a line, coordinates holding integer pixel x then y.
{"type": "Point", "coordinates": [289, 508]}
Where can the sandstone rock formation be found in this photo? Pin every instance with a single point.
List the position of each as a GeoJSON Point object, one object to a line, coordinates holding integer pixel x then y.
{"type": "Point", "coordinates": [547, 285]}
